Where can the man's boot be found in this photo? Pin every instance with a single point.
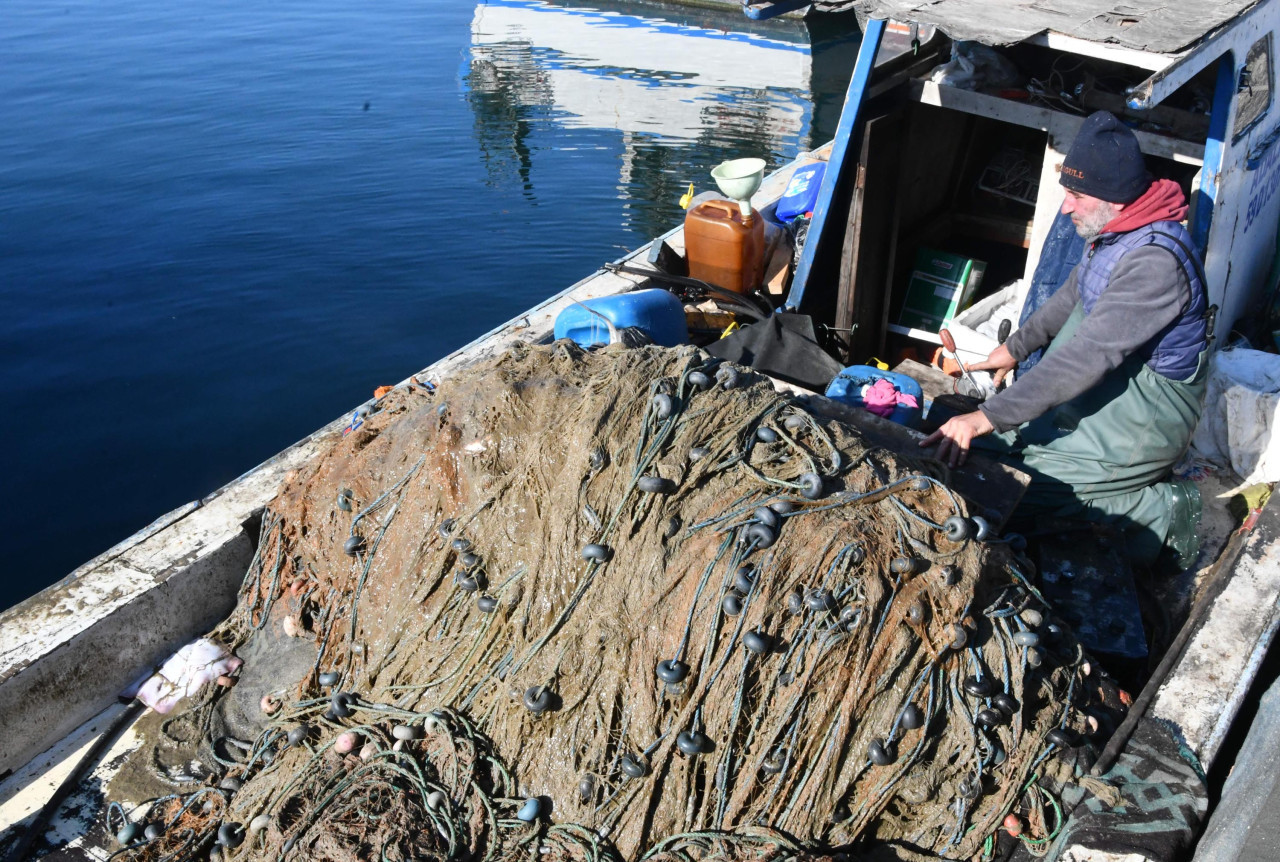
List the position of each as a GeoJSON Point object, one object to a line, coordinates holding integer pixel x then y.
{"type": "Point", "coordinates": [1182, 542]}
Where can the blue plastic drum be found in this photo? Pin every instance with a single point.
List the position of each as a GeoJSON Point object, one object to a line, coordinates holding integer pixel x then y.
{"type": "Point", "coordinates": [848, 385]}
{"type": "Point", "coordinates": [655, 311]}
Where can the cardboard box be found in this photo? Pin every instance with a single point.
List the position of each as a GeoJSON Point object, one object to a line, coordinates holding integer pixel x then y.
{"type": "Point", "coordinates": [941, 285]}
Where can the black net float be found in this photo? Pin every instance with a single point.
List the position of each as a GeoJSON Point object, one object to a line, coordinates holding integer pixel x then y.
{"type": "Point", "coordinates": [766, 516]}
{"type": "Point", "coordinates": [537, 699]}
{"type": "Point", "coordinates": [912, 717]}
{"type": "Point", "coordinates": [882, 753]}
{"type": "Point", "coordinates": [600, 553]}
{"type": "Point", "coordinates": [230, 834]}
{"type": "Point", "coordinates": [757, 641]}
{"type": "Point", "coordinates": [989, 718]}
{"type": "Point", "coordinates": [655, 485]}
{"type": "Point", "coordinates": [633, 766]}
{"type": "Point", "coordinates": [1004, 702]}
{"type": "Point", "coordinates": [761, 534]}
{"type": "Point", "coordinates": [692, 743]}
{"type": "Point", "coordinates": [672, 671]}
{"type": "Point", "coordinates": [978, 686]}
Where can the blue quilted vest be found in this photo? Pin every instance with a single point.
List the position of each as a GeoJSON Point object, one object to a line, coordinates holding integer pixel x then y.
{"type": "Point", "coordinates": [1174, 351]}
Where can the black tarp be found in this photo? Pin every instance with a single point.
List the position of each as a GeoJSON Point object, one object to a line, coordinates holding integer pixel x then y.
{"type": "Point", "coordinates": [784, 346]}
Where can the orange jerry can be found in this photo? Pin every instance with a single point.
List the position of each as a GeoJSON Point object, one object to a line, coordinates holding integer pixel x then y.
{"type": "Point", "coordinates": [724, 247]}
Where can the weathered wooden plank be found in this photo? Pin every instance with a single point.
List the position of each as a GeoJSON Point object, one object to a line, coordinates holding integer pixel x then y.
{"type": "Point", "coordinates": [1126, 56]}
{"type": "Point", "coordinates": [932, 381]}
{"type": "Point", "coordinates": [1154, 26]}
{"type": "Point", "coordinates": [1059, 125]}
{"type": "Point", "coordinates": [1047, 204]}
{"type": "Point", "coordinates": [863, 269]}
{"type": "Point", "coordinates": [993, 487]}
{"type": "Point", "coordinates": [1202, 696]}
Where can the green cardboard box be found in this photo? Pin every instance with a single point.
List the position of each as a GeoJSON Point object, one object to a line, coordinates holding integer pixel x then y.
{"type": "Point", "coordinates": [941, 285]}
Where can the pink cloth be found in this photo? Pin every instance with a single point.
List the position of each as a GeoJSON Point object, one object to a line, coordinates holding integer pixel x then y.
{"type": "Point", "coordinates": [881, 398]}
{"type": "Point", "coordinates": [196, 664]}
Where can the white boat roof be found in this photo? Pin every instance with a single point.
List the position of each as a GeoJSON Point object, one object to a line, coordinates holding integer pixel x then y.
{"type": "Point", "coordinates": [1154, 26]}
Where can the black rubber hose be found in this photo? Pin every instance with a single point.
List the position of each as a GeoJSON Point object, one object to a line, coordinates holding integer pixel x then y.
{"type": "Point", "coordinates": [742, 301]}
{"type": "Point", "coordinates": [78, 774]}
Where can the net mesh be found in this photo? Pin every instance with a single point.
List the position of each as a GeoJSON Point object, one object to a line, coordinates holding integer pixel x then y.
{"type": "Point", "coordinates": [628, 603]}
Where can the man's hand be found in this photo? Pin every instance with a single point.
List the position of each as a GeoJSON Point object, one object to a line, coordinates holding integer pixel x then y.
{"type": "Point", "coordinates": [1000, 361]}
{"type": "Point", "coordinates": [956, 434]}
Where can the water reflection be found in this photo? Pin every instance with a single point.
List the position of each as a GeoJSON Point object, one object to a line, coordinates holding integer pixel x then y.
{"type": "Point", "coordinates": [211, 247]}
{"type": "Point", "coordinates": [683, 92]}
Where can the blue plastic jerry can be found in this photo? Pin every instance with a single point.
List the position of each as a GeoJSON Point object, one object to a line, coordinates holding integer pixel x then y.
{"type": "Point", "coordinates": [656, 312]}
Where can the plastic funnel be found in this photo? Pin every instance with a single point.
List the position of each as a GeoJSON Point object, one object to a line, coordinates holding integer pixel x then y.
{"type": "Point", "coordinates": [738, 180]}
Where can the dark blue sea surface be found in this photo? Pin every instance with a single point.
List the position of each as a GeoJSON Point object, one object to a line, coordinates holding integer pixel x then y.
{"type": "Point", "coordinates": [223, 224]}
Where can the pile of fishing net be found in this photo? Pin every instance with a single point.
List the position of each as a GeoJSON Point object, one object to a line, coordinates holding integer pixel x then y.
{"type": "Point", "coordinates": [630, 604]}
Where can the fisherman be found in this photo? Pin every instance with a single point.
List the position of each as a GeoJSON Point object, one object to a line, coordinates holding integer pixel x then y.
{"type": "Point", "coordinates": [1099, 422]}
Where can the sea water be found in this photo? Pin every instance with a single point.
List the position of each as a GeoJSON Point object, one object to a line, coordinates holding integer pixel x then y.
{"type": "Point", "coordinates": [224, 224]}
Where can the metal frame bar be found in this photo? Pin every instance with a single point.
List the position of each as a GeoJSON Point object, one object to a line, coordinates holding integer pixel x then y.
{"type": "Point", "coordinates": [1215, 147]}
{"type": "Point", "coordinates": [836, 166]}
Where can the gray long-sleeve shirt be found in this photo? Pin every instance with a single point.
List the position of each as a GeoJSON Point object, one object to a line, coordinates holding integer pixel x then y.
{"type": "Point", "coordinates": [1148, 290]}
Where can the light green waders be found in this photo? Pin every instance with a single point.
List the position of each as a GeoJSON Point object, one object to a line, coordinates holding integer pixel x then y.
{"type": "Point", "coordinates": [1102, 457]}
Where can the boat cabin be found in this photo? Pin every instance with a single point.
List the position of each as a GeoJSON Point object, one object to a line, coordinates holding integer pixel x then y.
{"type": "Point", "coordinates": [965, 161]}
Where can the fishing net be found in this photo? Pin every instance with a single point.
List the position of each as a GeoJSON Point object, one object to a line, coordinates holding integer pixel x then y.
{"type": "Point", "coordinates": [630, 603]}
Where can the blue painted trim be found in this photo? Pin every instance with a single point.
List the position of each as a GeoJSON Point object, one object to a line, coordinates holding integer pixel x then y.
{"type": "Point", "coordinates": [839, 151]}
{"type": "Point", "coordinates": [1214, 151]}
{"type": "Point", "coordinates": [1254, 159]}
{"type": "Point", "coordinates": [765, 11]}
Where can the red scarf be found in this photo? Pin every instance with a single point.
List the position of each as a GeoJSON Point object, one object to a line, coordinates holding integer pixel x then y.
{"type": "Point", "coordinates": [1163, 201]}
